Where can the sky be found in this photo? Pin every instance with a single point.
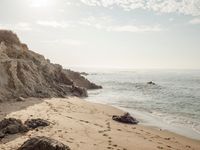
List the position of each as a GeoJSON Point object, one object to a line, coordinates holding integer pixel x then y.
{"type": "Point", "coordinates": [140, 34]}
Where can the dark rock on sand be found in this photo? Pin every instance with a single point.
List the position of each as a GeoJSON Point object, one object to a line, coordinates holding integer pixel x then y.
{"type": "Point", "coordinates": [151, 83]}
{"type": "Point", "coordinates": [11, 126]}
{"type": "Point", "coordinates": [126, 118]}
{"type": "Point", "coordinates": [34, 123]}
{"type": "Point", "coordinates": [43, 143]}
{"type": "Point", "coordinates": [24, 73]}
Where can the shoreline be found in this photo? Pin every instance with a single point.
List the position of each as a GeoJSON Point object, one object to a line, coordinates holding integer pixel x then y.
{"type": "Point", "coordinates": [156, 122]}
{"type": "Point", "coordinates": [87, 125]}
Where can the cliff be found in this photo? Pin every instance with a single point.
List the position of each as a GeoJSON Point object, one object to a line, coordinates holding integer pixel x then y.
{"type": "Point", "coordinates": [24, 73]}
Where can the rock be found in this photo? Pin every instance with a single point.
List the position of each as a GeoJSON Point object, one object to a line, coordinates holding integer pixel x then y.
{"type": "Point", "coordinates": [84, 73]}
{"type": "Point", "coordinates": [34, 123]}
{"type": "Point", "coordinates": [24, 73]}
{"type": "Point", "coordinates": [151, 83]}
{"type": "Point", "coordinates": [20, 99]}
{"type": "Point", "coordinates": [11, 126]}
{"type": "Point", "coordinates": [2, 135]}
{"type": "Point", "coordinates": [43, 143]}
{"type": "Point", "coordinates": [126, 118]}
{"type": "Point", "coordinates": [77, 91]}
{"type": "Point", "coordinates": [81, 81]}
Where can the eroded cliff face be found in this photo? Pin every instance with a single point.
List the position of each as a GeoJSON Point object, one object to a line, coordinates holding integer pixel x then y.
{"type": "Point", "coordinates": [24, 73]}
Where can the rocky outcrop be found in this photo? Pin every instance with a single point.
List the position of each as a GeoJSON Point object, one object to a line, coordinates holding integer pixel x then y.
{"type": "Point", "coordinates": [14, 126]}
{"type": "Point", "coordinates": [43, 143]}
{"type": "Point", "coordinates": [11, 126]}
{"type": "Point", "coordinates": [35, 123]}
{"type": "Point", "coordinates": [80, 80]}
{"type": "Point", "coordinates": [126, 118]}
{"type": "Point", "coordinates": [24, 73]}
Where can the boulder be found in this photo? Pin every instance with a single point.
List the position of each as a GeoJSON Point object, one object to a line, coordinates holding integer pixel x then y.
{"type": "Point", "coordinates": [11, 126]}
{"type": "Point", "coordinates": [126, 118]}
{"type": "Point", "coordinates": [34, 123]}
{"type": "Point", "coordinates": [43, 143]}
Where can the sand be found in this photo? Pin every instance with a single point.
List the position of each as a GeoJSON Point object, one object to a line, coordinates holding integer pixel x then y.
{"type": "Point", "coordinates": [88, 126]}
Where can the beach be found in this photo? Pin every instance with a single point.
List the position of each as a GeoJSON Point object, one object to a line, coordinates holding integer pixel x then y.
{"type": "Point", "coordinates": [84, 125]}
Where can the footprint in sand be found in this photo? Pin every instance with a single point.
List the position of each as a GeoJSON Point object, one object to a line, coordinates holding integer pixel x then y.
{"type": "Point", "coordinates": [84, 121]}
{"type": "Point", "coordinates": [69, 117]}
{"type": "Point", "coordinates": [167, 138]}
{"type": "Point", "coordinates": [115, 145]}
{"type": "Point", "coordinates": [100, 131]}
{"type": "Point", "coordinates": [169, 146]}
{"type": "Point", "coordinates": [159, 143]}
{"type": "Point", "coordinates": [137, 132]}
{"type": "Point", "coordinates": [147, 133]}
{"type": "Point", "coordinates": [105, 134]}
{"type": "Point", "coordinates": [159, 147]}
{"type": "Point", "coordinates": [71, 139]}
{"type": "Point", "coordinates": [110, 142]}
{"type": "Point", "coordinates": [98, 125]}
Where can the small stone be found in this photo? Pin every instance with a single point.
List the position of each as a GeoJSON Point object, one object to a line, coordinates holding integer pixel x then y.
{"type": "Point", "coordinates": [20, 99]}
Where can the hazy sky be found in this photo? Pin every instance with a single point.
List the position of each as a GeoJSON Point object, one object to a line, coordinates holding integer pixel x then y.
{"type": "Point", "coordinates": [108, 33]}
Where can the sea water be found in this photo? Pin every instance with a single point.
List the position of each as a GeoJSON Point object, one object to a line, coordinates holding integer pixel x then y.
{"type": "Point", "coordinates": [173, 103]}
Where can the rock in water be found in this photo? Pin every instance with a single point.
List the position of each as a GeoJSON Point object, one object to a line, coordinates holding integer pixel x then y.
{"type": "Point", "coordinates": [126, 118]}
{"type": "Point", "coordinates": [34, 123]}
{"type": "Point", "coordinates": [11, 126]}
{"type": "Point", "coordinates": [43, 143]}
{"type": "Point", "coordinates": [24, 73]}
{"type": "Point", "coordinates": [151, 83]}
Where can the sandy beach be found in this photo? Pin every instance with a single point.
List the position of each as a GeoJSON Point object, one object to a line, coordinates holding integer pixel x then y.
{"type": "Point", "coordinates": [83, 125]}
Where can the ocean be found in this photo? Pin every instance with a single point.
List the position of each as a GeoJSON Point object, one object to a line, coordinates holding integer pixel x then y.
{"type": "Point", "coordinates": [173, 103]}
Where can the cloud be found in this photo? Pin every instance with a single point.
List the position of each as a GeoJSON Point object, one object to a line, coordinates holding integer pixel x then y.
{"type": "Point", "coordinates": [187, 7]}
{"type": "Point", "coordinates": [195, 21]}
{"type": "Point", "coordinates": [21, 26]}
{"type": "Point", "coordinates": [107, 24]}
{"type": "Point", "coordinates": [96, 22]}
{"type": "Point", "coordinates": [41, 3]}
{"type": "Point", "coordinates": [132, 28]}
{"type": "Point", "coordinates": [53, 24]}
{"type": "Point", "coordinates": [69, 42]}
